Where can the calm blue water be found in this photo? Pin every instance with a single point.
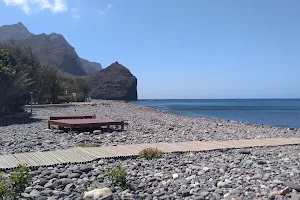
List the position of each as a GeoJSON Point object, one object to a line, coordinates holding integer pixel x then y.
{"type": "Point", "coordinates": [274, 112]}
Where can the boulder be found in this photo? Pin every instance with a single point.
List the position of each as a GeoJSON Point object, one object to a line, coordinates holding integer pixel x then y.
{"type": "Point", "coordinates": [102, 193]}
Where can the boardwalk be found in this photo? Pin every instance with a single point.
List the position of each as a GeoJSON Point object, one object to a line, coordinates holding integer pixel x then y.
{"type": "Point", "coordinates": [83, 155]}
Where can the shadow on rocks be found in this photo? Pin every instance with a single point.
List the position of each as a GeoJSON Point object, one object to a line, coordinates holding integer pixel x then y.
{"type": "Point", "coordinates": [11, 120]}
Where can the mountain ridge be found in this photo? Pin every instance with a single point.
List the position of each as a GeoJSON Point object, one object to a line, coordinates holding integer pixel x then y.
{"type": "Point", "coordinates": [52, 49]}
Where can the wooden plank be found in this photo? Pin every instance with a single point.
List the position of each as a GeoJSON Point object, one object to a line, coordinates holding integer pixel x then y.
{"type": "Point", "coordinates": [82, 155]}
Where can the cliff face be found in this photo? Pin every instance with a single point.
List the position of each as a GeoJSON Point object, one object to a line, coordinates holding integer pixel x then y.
{"type": "Point", "coordinates": [50, 49]}
{"type": "Point", "coordinates": [90, 67]}
{"type": "Point", "coordinates": [113, 83]}
{"type": "Point", "coordinates": [54, 50]}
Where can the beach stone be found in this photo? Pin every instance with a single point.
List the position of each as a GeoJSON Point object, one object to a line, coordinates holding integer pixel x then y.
{"type": "Point", "coordinates": [46, 192]}
{"type": "Point", "coordinates": [206, 169]}
{"type": "Point", "coordinates": [69, 187]}
{"type": "Point", "coordinates": [63, 175]}
{"type": "Point", "coordinates": [102, 193]}
{"type": "Point", "coordinates": [295, 196]}
{"type": "Point", "coordinates": [65, 181]}
{"type": "Point", "coordinates": [175, 176]}
{"type": "Point", "coordinates": [49, 185]}
{"type": "Point", "coordinates": [190, 177]}
{"type": "Point", "coordinates": [86, 169]}
{"type": "Point", "coordinates": [222, 184]}
{"type": "Point", "coordinates": [26, 196]}
{"type": "Point", "coordinates": [159, 174]}
{"type": "Point", "coordinates": [74, 175]}
{"type": "Point", "coordinates": [244, 151]}
{"type": "Point", "coordinates": [292, 185]}
{"type": "Point", "coordinates": [34, 193]}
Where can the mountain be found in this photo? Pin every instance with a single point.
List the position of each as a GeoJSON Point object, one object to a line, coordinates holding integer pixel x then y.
{"type": "Point", "coordinates": [14, 32]}
{"type": "Point", "coordinates": [113, 83]}
{"type": "Point", "coordinates": [51, 49]}
{"type": "Point", "coordinates": [90, 67]}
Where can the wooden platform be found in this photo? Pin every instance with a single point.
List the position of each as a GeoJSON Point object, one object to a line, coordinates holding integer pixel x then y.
{"type": "Point", "coordinates": [85, 123]}
{"type": "Point", "coordinates": [73, 116]}
{"type": "Point", "coordinates": [84, 155]}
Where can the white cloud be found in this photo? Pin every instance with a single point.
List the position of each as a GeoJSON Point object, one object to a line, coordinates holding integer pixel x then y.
{"type": "Point", "coordinates": [103, 12]}
{"type": "Point", "coordinates": [75, 13]}
{"type": "Point", "coordinates": [30, 5]}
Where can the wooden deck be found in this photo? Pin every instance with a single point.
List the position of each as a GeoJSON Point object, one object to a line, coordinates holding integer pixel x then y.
{"type": "Point", "coordinates": [85, 123]}
{"type": "Point", "coordinates": [73, 116]}
{"type": "Point", "coordinates": [84, 155]}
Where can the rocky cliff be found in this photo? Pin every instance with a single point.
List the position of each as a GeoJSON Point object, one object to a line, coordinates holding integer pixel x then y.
{"type": "Point", "coordinates": [113, 83]}
{"type": "Point", "coordinates": [50, 49]}
{"type": "Point", "coordinates": [90, 67]}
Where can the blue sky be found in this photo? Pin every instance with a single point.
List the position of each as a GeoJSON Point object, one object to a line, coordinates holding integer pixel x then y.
{"type": "Point", "coordinates": [180, 49]}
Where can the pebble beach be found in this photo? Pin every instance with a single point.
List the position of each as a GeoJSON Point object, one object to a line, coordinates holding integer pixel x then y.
{"type": "Point", "coordinates": [253, 173]}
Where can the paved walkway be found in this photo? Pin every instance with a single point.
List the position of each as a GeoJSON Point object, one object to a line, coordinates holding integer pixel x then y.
{"type": "Point", "coordinates": [83, 155]}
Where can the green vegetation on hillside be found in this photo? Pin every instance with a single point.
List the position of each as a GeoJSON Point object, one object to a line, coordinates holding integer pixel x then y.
{"type": "Point", "coordinates": [21, 72]}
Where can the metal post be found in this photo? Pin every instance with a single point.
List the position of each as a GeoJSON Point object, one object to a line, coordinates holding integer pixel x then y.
{"type": "Point", "coordinates": [31, 101]}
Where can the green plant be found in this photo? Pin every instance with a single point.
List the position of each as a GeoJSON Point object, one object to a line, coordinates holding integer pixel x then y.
{"type": "Point", "coordinates": [84, 145]}
{"type": "Point", "coordinates": [117, 176]}
{"type": "Point", "coordinates": [66, 98]}
{"type": "Point", "coordinates": [151, 153]}
{"type": "Point", "coordinates": [13, 187]}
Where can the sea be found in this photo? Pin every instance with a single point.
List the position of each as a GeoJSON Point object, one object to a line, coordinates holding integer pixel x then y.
{"type": "Point", "coordinates": [273, 112]}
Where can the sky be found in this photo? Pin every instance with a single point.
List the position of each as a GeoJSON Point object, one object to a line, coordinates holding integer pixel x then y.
{"type": "Point", "coordinates": [180, 49]}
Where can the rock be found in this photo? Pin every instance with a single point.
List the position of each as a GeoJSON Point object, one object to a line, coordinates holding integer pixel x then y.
{"type": "Point", "coordinates": [244, 151]}
{"type": "Point", "coordinates": [86, 169]}
{"type": "Point", "coordinates": [285, 191]}
{"type": "Point", "coordinates": [69, 187]}
{"type": "Point", "coordinates": [295, 196]}
{"type": "Point", "coordinates": [46, 192]}
{"type": "Point", "coordinates": [205, 169]}
{"type": "Point", "coordinates": [175, 176]}
{"type": "Point", "coordinates": [74, 175]}
{"type": "Point", "coordinates": [63, 175]}
{"type": "Point", "coordinates": [227, 195]}
{"type": "Point", "coordinates": [65, 181]}
{"type": "Point", "coordinates": [204, 193]}
{"type": "Point", "coordinates": [49, 185]}
{"type": "Point", "coordinates": [261, 162]}
{"type": "Point", "coordinates": [26, 196]}
{"type": "Point", "coordinates": [34, 193]}
{"type": "Point", "coordinates": [159, 174]}
{"type": "Point", "coordinates": [42, 198]}
{"type": "Point", "coordinates": [43, 182]}
{"type": "Point", "coordinates": [190, 177]}
{"type": "Point", "coordinates": [222, 184]}
{"type": "Point", "coordinates": [103, 193]}
{"type": "Point", "coordinates": [90, 67]}
{"type": "Point", "coordinates": [114, 83]}
{"type": "Point", "coordinates": [292, 185]}
{"type": "Point", "coordinates": [186, 193]}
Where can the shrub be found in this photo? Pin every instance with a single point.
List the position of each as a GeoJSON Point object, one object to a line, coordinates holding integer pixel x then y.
{"type": "Point", "coordinates": [63, 99]}
{"type": "Point", "coordinates": [16, 184]}
{"type": "Point", "coordinates": [117, 176]}
{"type": "Point", "coordinates": [151, 153]}
{"type": "Point", "coordinates": [80, 97]}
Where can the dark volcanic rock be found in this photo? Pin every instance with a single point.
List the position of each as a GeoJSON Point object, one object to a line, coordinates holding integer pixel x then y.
{"type": "Point", "coordinates": [51, 50]}
{"type": "Point", "coordinates": [54, 50]}
{"type": "Point", "coordinates": [90, 67]}
{"type": "Point", "coordinates": [114, 83]}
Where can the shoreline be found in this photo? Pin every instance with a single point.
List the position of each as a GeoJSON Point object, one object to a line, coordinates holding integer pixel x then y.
{"type": "Point", "coordinates": [145, 125]}
{"type": "Point", "coordinates": [236, 174]}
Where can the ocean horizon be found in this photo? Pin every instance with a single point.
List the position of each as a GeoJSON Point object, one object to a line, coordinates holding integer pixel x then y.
{"type": "Point", "coordinates": [278, 112]}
